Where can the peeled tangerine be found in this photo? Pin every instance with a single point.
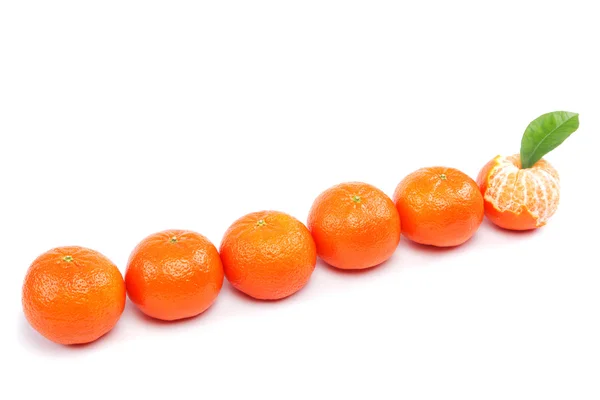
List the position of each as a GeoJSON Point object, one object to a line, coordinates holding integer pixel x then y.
{"type": "Point", "coordinates": [516, 198]}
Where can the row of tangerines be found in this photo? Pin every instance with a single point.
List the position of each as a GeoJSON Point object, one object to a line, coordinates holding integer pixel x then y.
{"type": "Point", "coordinates": [75, 295]}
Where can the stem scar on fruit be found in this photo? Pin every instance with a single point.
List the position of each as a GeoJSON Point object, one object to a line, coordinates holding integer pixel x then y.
{"type": "Point", "coordinates": [260, 222]}
{"type": "Point", "coordinates": [68, 258]}
{"type": "Point", "coordinates": [356, 199]}
{"type": "Point", "coordinates": [443, 177]}
{"type": "Point", "coordinates": [173, 239]}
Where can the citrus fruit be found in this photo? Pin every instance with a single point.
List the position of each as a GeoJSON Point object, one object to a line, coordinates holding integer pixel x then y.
{"type": "Point", "coordinates": [516, 198]}
{"type": "Point", "coordinates": [174, 274]}
{"type": "Point", "coordinates": [522, 191]}
{"type": "Point", "coordinates": [354, 225]}
{"type": "Point", "coordinates": [439, 206]}
{"type": "Point", "coordinates": [73, 295]}
{"type": "Point", "coordinates": [268, 255]}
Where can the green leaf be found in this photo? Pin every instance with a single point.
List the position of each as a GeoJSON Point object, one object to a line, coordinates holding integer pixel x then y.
{"type": "Point", "coordinates": [545, 133]}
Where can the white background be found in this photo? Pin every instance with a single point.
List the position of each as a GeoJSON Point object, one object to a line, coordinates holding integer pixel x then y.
{"type": "Point", "coordinates": [122, 118]}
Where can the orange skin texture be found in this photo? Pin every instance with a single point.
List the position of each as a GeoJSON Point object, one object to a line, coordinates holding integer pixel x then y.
{"type": "Point", "coordinates": [510, 211]}
{"type": "Point", "coordinates": [355, 226]}
{"type": "Point", "coordinates": [268, 255]}
{"type": "Point", "coordinates": [73, 295]}
{"type": "Point", "coordinates": [520, 221]}
{"type": "Point", "coordinates": [439, 206]}
{"type": "Point", "coordinates": [174, 274]}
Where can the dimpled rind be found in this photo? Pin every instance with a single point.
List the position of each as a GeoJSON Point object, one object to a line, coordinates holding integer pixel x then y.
{"type": "Point", "coordinates": [354, 225]}
{"type": "Point", "coordinates": [174, 274]}
{"type": "Point", "coordinates": [439, 206]}
{"type": "Point", "coordinates": [268, 255]}
{"type": "Point", "coordinates": [75, 301]}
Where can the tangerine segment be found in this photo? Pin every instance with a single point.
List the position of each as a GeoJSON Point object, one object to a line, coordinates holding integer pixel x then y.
{"type": "Point", "coordinates": [73, 295]}
{"type": "Point", "coordinates": [174, 274]}
{"type": "Point", "coordinates": [268, 255]}
{"type": "Point", "coordinates": [355, 226]}
{"type": "Point", "coordinates": [516, 198]}
{"type": "Point", "coordinates": [439, 206]}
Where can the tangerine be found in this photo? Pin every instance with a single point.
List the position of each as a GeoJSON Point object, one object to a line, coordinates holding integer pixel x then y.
{"type": "Point", "coordinates": [73, 295]}
{"type": "Point", "coordinates": [439, 206]}
{"type": "Point", "coordinates": [268, 255]}
{"type": "Point", "coordinates": [355, 226]}
{"type": "Point", "coordinates": [519, 198]}
{"type": "Point", "coordinates": [174, 274]}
